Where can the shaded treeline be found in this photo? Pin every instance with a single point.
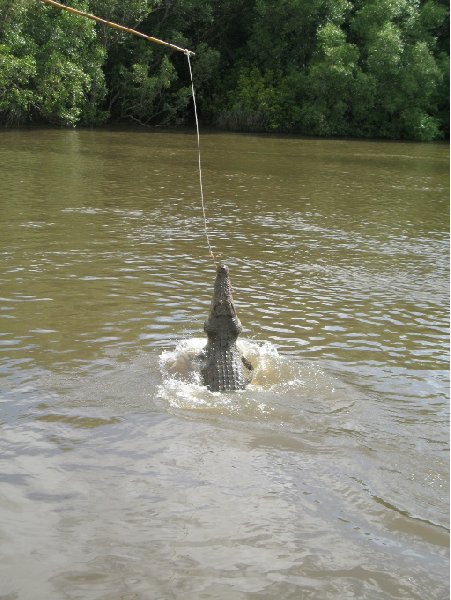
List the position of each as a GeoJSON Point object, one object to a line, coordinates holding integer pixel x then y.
{"type": "Point", "coordinates": [366, 68]}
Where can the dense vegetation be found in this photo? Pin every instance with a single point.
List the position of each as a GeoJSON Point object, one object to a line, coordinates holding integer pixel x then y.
{"type": "Point", "coordinates": [376, 68]}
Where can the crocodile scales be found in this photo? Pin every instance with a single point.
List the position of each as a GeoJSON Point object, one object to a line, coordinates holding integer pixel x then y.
{"type": "Point", "coordinates": [223, 368]}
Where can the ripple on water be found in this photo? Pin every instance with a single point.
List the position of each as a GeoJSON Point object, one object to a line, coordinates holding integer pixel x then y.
{"type": "Point", "coordinates": [328, 476]}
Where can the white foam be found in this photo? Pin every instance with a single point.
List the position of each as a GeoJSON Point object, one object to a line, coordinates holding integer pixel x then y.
{"type": "Point", "coordinates": [281, 388]}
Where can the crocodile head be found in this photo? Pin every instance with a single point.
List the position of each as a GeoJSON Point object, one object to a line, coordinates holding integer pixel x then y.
{"type": "Point", "coordinates": [222, 324]}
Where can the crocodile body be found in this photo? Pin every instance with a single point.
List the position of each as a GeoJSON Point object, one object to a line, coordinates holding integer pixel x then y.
{"type": "Point", "coordinates": [224, 368]}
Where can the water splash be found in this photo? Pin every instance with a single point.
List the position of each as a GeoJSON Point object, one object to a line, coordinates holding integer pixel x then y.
{"type": "Point", "coordinates": [282, 388]}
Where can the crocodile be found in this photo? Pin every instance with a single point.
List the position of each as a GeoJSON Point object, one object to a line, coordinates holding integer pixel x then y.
{"type": "Point", "coordinates": [223, 367]}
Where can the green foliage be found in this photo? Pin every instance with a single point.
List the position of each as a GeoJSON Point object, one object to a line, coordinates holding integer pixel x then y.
{"type": "Point", "coordinates": [254, 103]}
{"type": "Point", "coordinates": [51, 66]}
{"type": "Point", "coordinates": [372, 68]}
{"type": "Point", "coordinates": [398, 54]}
{"type": "Point", "coordinates": [331, 83]}
{"type": "Point", "coordinates": [15, 97]}
{"type": "Point", "coordinates": [144, 95]}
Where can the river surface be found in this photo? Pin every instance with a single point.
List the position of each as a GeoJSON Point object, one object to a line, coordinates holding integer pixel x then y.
{"type": "Point", "coordinates": [122, 478]}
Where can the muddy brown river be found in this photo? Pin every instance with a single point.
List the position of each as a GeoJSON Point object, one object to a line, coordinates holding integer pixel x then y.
{"type": "Point", "coordinates": [121, 476]}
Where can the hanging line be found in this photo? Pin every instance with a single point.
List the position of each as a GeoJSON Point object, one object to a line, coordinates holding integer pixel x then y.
{"type": "Point", "coordinates": [187, 52]}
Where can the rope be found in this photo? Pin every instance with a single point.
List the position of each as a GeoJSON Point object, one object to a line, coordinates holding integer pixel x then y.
{"type": "Point", "coordinates": [187, 52]}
